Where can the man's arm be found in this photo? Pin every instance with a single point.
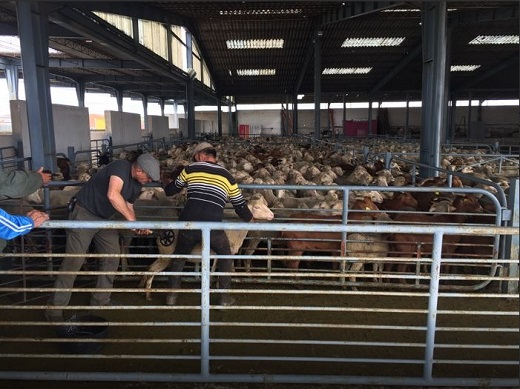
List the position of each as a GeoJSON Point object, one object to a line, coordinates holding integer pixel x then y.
{"type": "Point", "coordinates": [12, 226]}
{"type": "Point", "coordinates": [126, 209]}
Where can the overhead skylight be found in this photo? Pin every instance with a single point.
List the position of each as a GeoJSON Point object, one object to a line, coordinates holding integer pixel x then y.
{"type": "Point", "coordinates": [410, 10]}
{"type": "Point", "coordinates": [262, 12]}
{"type": "Point", "coordinates": [11, 45]}
{"type": "Point", "coordinates": [463, 68]}
{"type": "Point", "coordinates": [256, 72]}
{"type": "Point", "coordinates": [372, 42]}
{"type": "Point", "coordinates": [241, 44]}
{"type": "Point", "coordinates": [495, 40]}
{"type": "Point", "coordinates": [331, 71]}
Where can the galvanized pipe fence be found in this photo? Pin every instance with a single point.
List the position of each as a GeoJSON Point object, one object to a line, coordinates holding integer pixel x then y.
{"type": "Point", "coordinates": [275, 332]}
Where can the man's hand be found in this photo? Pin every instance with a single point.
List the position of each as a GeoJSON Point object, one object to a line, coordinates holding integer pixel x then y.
{"type": "Point", "coordinates": [46, 177]}
{"type": "Point", "coordinates": [143, 232]}
{"type": "Point", "coordinates": [38, 217]}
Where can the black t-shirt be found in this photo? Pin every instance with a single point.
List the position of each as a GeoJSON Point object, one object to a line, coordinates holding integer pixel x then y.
{"type": "Point", "coordinates": [93, 195]}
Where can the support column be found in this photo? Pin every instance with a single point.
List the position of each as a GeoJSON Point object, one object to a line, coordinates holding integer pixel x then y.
{"type": "Point", "coordinates": [11, 75]}
{"type": "Point", "coordinates": [119, 99]}
{"type": "Point", "coordinates": [370, 102]}
{"type": "Point", "coordinates": [407, 120]}
{"type": "Point", "coordinates": [344, 115]}
{"type": "Point", "coordinates": [33, 24]}
{"type": "Point", "coordinates": [145, 111]}
{"type": "Point", "coordinates": [161, 104]}
{"type": "Point", "coordinates": [317, 83]}
{"type": "Point", "coordinates": [434, 39]}
{"type": "Point", "coordinates": [230, 119]}
{"type": "Point", "coordinates": [295, 114]}
{"type": "Point", "coordinates": [219, 117]}
{"type": "Point", "coordinates": [190, 105]}
{"type": "Point", "coordinates": [470, 97]}
{"type": "Point", "coordinates": [80, 93]}
{"type": "Point", "coordinates": [190, 89]}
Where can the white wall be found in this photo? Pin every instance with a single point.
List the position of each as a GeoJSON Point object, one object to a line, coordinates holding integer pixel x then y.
{"type": "Point", "coordinates": [71, 127]}
{"type": "Point", "coordinates": [158, 126]}
{"type": "Point", "coordinates": [124, 127]}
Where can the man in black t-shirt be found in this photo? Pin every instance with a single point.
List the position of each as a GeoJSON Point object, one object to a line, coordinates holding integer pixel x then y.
{"type": "Point", "coordinates": [111, 190]}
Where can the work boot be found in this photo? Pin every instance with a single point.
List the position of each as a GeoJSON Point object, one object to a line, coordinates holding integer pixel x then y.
{"type": "Point", "coordinates": [53, 315]}
{"type": "Point", "coordinates": [226, 300]}
{"type": "Point", "coordinates": [171, 298]}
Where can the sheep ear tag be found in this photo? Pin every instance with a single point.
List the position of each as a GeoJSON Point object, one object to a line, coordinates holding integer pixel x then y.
{"type": "Point", "coordinates": [167, 238]}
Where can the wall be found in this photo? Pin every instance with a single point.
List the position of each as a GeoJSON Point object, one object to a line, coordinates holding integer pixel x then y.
{"type": "Point", "coordinates": [71, 127]}
{"type": "Point", "coordinates": [124, 127]}
{"type": "Point", "coordinates": [158, 126]}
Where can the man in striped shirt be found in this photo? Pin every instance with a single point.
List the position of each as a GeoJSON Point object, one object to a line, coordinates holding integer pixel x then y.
{"type": "Point", "coordinates": [209, 187]}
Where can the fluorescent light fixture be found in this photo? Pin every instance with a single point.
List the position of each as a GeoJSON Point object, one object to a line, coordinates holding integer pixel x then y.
{"type": "Point", "coordinates": [240, 44]}
{"type": "Point", "coordinates": [411, 10]}
{"type": "Point", "coordinates": [262, 12]}
{"type": "Point", "coordinates": [463, 68]}
{"type": "Point", "coordinates": [256, 72]}
{"type": "Point", "coordinates": [332, 71]}
{"type": "Point", "coordinates": [402, 10]}
{"type": "Point", "coordinates": [495, 40]}
{"type": "Point", "coordinates": [299, 97]}
{"type": "Point", "coordinates": [372, 42]}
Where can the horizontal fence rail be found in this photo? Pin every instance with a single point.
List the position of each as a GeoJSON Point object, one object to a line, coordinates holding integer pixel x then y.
{"type": "Point", "coordinates": [288, 331]}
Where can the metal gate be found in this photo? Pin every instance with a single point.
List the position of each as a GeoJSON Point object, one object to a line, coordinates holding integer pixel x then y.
{"type": "Point", "coordinates": [276, 332]}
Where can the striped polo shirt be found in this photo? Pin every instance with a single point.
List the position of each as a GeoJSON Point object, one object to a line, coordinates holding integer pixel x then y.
{"type": "Point", "coordinates": [209, 187]}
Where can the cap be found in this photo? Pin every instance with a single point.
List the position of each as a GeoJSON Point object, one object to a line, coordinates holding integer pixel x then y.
{"type": "Point", "coordinates": [201, 146]}
{"type": "Point", "coordinates": [150, 166]}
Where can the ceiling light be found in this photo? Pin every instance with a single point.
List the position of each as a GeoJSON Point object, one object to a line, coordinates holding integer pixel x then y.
{"type": "Point", "coordinates": [254, 44]}
{"type": "Point", "coordinates": [331, 71]}
{"type": "Point", "coordinates": [256, 72]}
{"type": "Point", "coordinates": [495, 40]}
{"type": "Point", "coordinates": [372, 42]}
{"type": "Point", "coordinates": [300, 97]}
{"type": "Point", "coordinates": [262, 12]}
{"type": "Point", "coordinates": [463, 68]}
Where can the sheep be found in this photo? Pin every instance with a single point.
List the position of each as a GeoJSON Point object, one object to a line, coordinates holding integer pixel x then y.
{"type": "Point", "coordinates": [297, 242]}
{"type": "Point", "coordinates": [418, 245]}
{"type": "Point", "coordinates": [260, 211]}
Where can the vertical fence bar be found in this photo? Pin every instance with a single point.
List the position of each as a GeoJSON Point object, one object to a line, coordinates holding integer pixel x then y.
{"type": "Point", "coordinates": [205, 285]}
{"type": "Point", "coordinates": [432, 305]}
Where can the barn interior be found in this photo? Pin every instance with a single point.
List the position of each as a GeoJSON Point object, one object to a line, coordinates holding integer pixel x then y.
{"type": "Point", "coordinates": [354, 305]}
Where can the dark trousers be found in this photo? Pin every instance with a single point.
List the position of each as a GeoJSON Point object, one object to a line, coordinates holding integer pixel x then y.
{"type": "Point", "coordinates": [219, 243]}
{"type": "Point", "coordinates": [78, 241]}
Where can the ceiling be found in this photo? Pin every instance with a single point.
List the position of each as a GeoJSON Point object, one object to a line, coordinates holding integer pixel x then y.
{"type": "Point", "coordinates": [83, 41]}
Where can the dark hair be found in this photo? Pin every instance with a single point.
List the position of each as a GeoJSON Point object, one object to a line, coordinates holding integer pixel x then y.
{"type": "Point", "coordinates": [208, 151]}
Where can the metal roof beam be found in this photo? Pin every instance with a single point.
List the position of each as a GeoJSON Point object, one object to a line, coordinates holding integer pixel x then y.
{"type": "Point", "coordinates": [357, 8]}
{"type": "Point", "coordinates": [513, 60]}
{"type": "Point", "coordinates": [92, 27]}
{"type": "Point", "coordinates": [95, 63]}
{"type": "Point", "coordinates": [136, 10]}
{"type": "Point", "coordinates": [485, 15]}
{"type": "Point", "coordinates": [397, 68]}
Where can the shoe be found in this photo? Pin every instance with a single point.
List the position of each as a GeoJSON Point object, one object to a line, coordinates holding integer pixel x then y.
{"type": "Point", "coordinates": [226, 300]}
{"type": "Point", "coordinates": [53, 316]}
{"type": "Point", "coordinates": [171, 299]}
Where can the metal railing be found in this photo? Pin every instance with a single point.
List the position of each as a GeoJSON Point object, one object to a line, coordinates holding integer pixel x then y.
{"type": "Point", "coordinates": [274, 334]}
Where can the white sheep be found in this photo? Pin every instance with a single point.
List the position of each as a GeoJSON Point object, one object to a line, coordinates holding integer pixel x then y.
{"type": "Point", "coordinates": [258, 206]}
